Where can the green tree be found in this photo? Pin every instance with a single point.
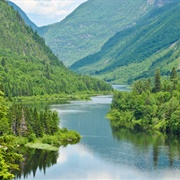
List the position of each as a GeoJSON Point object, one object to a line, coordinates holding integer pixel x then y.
{"type": "Point", "coordinates": [157, 81]}
{"type": "Point", "coordinates": [3, 63]}
{"type": "Point", "coordinates": [173, 74]}
{"type": "Point", "coordinates": [55, 122]}
{"type": "Point", "coordinates": [4, 124]}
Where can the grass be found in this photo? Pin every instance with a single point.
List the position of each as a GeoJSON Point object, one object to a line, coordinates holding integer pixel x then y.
{"type": "Point", "coordinates": [39, 145]}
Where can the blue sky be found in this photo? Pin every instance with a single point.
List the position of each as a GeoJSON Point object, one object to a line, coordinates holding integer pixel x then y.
{"type": "Point", "coordinates": [43, 12]}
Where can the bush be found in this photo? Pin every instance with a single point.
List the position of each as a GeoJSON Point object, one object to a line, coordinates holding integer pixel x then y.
{"type": "Point", "coordinates": [32, 137]}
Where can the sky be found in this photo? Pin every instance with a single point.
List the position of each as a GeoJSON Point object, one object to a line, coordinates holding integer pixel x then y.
{"type": "Point", "coordinates": [44, 12]}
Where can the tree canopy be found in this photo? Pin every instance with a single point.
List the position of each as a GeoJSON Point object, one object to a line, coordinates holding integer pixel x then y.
{"type": "Point", "coordinates": [147, 107]}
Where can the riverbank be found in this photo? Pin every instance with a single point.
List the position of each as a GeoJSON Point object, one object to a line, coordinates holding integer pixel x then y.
{"type": "Point", "coordinates": [62, 137]}
{"type": "Point", "coordinates": [60, 98]}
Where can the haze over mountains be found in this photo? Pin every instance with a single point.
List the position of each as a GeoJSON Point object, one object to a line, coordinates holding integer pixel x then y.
{"type": "Point", "coordinates": [86, 29]}
{"type": "Point", "coordinates": [118, 40]}
{"type": "Point", "coordinates": [139, 50]}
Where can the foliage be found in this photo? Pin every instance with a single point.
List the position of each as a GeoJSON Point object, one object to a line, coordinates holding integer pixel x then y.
{"type": "Point", "coordinates": [26, 121]}
{"type": "Point", "coordinates": [62, 137]}
{"type": "Point", "coordinates": [146, 109]}
{"type": "Point", "coordinates": [136, 52]}
{"type": "Point", "coordinates": [28, 67]}
{"type": "Point", "coordinates": [4, 124]}
{"type": "Point", "coordinates": [157, 81]}
{"type": "Point", "coordinates": [8, 158]}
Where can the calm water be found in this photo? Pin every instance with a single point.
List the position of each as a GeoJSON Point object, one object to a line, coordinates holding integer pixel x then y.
{"type": "Point", "coordinates": [103, 153]}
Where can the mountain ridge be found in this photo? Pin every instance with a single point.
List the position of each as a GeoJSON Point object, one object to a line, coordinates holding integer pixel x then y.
{"type": "Point", "coordinates": [157, 30]}
{"type": "Point", "coordinates": [86, 29]}
{"type": "Point", "coordinates": [28, 67]}
{"type": "Point", "coordinates": [23, 15]}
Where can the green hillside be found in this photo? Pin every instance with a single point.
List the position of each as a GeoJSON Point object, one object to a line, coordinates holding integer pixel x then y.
{"type": "Point", "coordinates": [23, 15]}
{"type": "Point", "coordinates": [27, 65]}
{"type": "Point", "coordinates": [137, 51]}
{"type": "Point", "coordinates": [86, 29]}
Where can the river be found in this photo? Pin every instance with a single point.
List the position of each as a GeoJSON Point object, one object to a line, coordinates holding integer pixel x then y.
{"type": "Point", "coordinates": [103, 153]}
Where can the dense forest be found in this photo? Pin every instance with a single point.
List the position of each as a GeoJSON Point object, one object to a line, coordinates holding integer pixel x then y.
{"type": "Point", "coordinates": [20, 124]}
{"type": "Point", "coordinates": [149, 107]}
{"type": "Point", "coordinates": [28, 67]}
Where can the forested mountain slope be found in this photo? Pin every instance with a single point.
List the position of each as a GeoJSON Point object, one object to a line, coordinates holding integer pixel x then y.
{"type": "Point", "coordinates": [27, 65]}
{"type": "Point", "coordinates": [23, 15]}
{"type": "Point", "coordinates": [154, 42]}
{"type": "Point", "coordinates": [86, 29]}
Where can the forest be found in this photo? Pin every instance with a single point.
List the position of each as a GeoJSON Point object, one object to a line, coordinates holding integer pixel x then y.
{"type": "Point", "coordinates": [152, 106]}
{"type": "Point", "coordinates": [28, 67]}
{"type": "Point", "coordinates": [21, 125]}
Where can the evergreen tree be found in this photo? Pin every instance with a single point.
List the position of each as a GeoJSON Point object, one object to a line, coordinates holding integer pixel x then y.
{"type": "Point", "coordinates": [173, 76]}
{"type": "Point", "coordinates": [36, 124]}
{"type": "Point", "coordinates": [3, 63]}
{"type": "Point", "coordinates": [55, 121]}
{"type": "Point", "coordinates": [157, 81]}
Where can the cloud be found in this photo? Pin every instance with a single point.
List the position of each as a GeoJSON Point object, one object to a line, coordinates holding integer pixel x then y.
{"type": "Point", "coordinates": [43, 12]}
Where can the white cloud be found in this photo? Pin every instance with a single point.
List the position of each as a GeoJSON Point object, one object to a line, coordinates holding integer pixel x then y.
{"type": "Point", "coordinates": [43, 12]}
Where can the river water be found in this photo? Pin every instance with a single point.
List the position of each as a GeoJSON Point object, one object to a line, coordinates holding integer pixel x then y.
{"type": "Point", "coordinates": [103, 153]}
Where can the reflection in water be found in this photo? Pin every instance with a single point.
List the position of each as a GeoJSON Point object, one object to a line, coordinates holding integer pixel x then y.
{"type": "Point", "coordinates": [170, 148]}
{"type": "Point", "coordinates": [122, 87]}
{"type": "Point", "coordinates": [35, 160]}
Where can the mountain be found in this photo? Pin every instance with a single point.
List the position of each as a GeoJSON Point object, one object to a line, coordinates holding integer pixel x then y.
{"type": "Point", "coordinates": [28, 67]}
{"type": "Point", "coordinates": [86, 29]}
{"type": "Point", "coordinates": [23, 15]}
{"type": "Point", "coordinates": [154, 42]}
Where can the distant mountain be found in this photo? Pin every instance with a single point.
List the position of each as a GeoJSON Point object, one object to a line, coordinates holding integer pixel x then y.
{"type": "Point", "coordinates": [28, 67]}
{"type": "Point", "coordinates": [86, 29]}
{"type": "Point", "coordinates": [154, 42]}
{"type": "Point", "coordinates": [23, 15]}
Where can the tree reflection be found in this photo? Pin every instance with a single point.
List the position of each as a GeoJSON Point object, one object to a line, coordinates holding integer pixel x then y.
{"type": "Point", "coordinates": [171, 146]}
{"type": "Point", "coordinates": [35, 159]}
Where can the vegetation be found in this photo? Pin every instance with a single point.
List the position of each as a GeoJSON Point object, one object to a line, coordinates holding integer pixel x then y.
{"type": "Point", "coordinates": [148, 107]}
{"type": "Point", "coordinates": [8, 158]}
{"type": "Point", "coordinates": [22, 125]}
{"type": "Point", "coordinates": [86, 29]}
{"type": "Point", "coordinates": [135, 52]}
{"type": "Point", "coordinates": [8, 155]}
{"type": "Point", "coordinates": [28, 67]}
{"type": "Point", "coordinates": [23, 15]}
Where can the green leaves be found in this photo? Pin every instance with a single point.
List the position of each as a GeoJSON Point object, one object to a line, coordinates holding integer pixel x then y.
{"type": "Point", "coordinates": [144, 109]}
{"type": "Point", "coordinates": [8, 158]}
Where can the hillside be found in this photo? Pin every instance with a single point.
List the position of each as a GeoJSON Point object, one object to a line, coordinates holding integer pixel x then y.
{"type": "Point", "coordinates": [23, 15]}
{"type": "Point", "coordinates": [154, 42]}
{"type": "Point", "coordinates": [86, 29]}
{"type": "Point", "coordinates": [27, 65]}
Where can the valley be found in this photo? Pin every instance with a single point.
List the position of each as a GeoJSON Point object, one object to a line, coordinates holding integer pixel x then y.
{"type": "Point", "coordinates": [102, 84]}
